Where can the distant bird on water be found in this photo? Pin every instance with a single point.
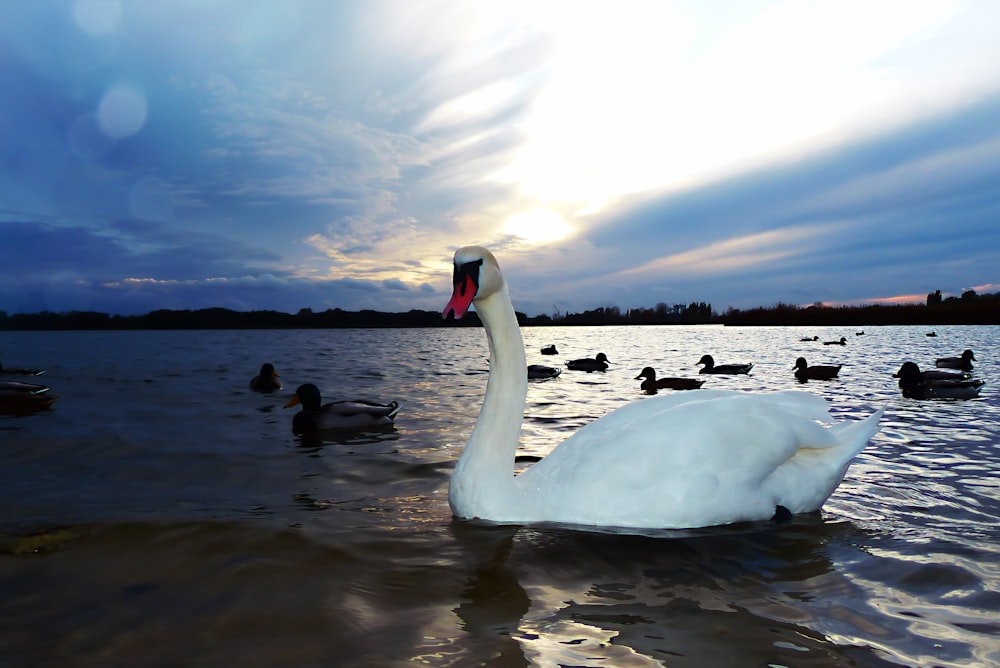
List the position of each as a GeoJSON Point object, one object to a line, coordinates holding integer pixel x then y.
{"type": "Point", "coordinates": [809, 338]}
{"type": "Point", "coordinates": [652, 383]}
{"type": "Point", "coordinates": [588, 364]}
{"type": "Point", "coordinates": [550, 350]}
{"type": "Point", "coordinates": [542, 372]}
{"type": "Point", "coordinates": [964, 362]}
{"type": "Point", "coordinates": [805, 372]}
{"type": "Point", "coordinates": [931, 333]}
{"type": "Point", "coordinates": [842, 342]}
{"type": "Point", "coordinates": [266, 380]}
{"type": "Point", "coordinates": [710, 366]}
{"type": "Point", "coordinates": [914, 386]}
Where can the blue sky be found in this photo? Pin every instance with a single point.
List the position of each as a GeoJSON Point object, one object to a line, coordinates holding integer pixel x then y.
{"type": "Point", "coordinates": [284, 155]}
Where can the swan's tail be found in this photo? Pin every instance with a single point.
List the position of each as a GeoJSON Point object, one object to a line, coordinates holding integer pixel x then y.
{"type": "Point", "coordinates": [854, 435]}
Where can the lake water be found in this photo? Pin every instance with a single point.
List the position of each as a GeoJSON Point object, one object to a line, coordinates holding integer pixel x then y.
{"type": "Point", "coordinates": [163, 514]}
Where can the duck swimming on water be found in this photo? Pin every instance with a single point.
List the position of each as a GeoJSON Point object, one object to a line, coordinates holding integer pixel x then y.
{"type": "Point", "coordinates": [712, 367]}
{"type": "Point", "coordinates": [588, 364]}
{"type": "Point", "coordinates": [681, 460]}
{"type": "Point", "coordinates": [353, 414]}
{"type": "Point", "coordinates": [805, 372]}
{"type": "Point", "coordinates": [964, 362]}
{"type": "Point", "coordinates": [915, 386]}
{"type": "Point", "coordinates": [266, 380]}
{"type": "Point", "coordinates": [652, 383]}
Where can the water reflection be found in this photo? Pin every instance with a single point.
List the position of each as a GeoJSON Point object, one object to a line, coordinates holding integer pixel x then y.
{"type": "Point", "coordinates": [740, 596]}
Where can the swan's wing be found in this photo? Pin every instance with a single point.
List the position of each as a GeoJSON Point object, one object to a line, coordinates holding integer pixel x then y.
{"type": "Point", "coordinates": [686, 460]}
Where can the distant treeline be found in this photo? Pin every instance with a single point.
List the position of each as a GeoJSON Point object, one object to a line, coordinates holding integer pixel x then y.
{"type": "Point", "coordinates": [970, 309]}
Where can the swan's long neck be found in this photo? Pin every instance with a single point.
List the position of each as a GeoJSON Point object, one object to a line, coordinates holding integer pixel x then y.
{"type": "Point", "coordinates": [483, 481]}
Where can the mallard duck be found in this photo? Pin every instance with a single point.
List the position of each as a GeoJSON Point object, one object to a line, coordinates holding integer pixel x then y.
{"type": "Point", "coordinates": [17, 371]}
{"type": "Point", "coordinates": [354, 414]}
{"type": "Point", "coordinates": [550, 350]}
{"type": "Point", "coordinates": [805, 372]}
{"type": "Point", "coordinates": [933, 374]}
{"type": "Point", "coordinates": [711, 367]}
{"type": "Point", "coordinates": [915, 386]}
{"type": "Point", "coordinates": [652, 383]}
{"type": "Point", "coordinates": [588, 364]}
{"type": "Point", "coordinates": [17, 398]}
{"type": "Point", "coordinates": [266, 380]}
{"type": "Point", "coordinates": [542, 372]}
{"type": "Point", "coordinates": [679, 460]}
{"type": "Point", "coordinates": [841, 342]}
{"type": "Point", "coordinates": [964, 362]}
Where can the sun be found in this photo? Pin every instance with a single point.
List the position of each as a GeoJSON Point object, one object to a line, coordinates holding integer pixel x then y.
{"type": "Point", "coordinates": [538, 226]}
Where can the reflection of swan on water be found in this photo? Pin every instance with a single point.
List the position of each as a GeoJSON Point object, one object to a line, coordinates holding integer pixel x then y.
{"type": "Point", "coordinates": [549, 596]}
{"type": "Point", "coordinates": [685, 460]}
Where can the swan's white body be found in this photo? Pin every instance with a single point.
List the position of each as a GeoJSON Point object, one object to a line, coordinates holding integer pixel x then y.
{"type": "Point", "coordinates": [679, 461]}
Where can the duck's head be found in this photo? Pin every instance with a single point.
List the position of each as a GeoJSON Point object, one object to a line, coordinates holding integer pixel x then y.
{"type": "Point", "coordinates": [908, 374]}
{"type": "Point", "coordinates": [647, 372]}
{"type": "Point", "coordinates": [308, 396]}
{"type": "Point", "coordinates": [601, 357]}
{"type": "Point", "coordinates": [707, 360]}
{"type": "Point", "coordinates": [967, 356]}
{"type": "Point", "coordinates": [267, 371]}
{"type": "Point", "coordinates": [800, 363]}
{"type": "Point", "coordinates": [476, 276]}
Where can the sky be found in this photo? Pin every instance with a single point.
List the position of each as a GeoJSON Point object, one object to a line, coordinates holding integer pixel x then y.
{"type": "Point", "coordinates": [251, 154]}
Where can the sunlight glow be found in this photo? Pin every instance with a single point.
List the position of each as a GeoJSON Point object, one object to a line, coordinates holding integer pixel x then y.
{"type": "Point", "coordinates": [538, 226]}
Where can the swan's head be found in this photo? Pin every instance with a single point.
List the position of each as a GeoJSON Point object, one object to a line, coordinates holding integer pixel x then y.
{"type": "Point", "coordinates": [476, 275]}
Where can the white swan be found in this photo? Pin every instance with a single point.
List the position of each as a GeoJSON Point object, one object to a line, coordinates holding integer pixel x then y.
{"type": "Point", "coordinates": [683, 460]}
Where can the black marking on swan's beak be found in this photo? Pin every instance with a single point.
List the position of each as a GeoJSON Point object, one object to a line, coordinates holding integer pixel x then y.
{"type": "Point", "coordinates": [469, 270]}
{"type": "Point", "coordinates": [465, 278]}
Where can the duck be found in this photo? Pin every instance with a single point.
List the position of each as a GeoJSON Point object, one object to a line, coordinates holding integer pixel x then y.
{"type": "Point", "coordinates": [805, 372]}
{"type": "Point", "coordinates": [861, 333]}
{"type": "Point", "coordinates": [652, 383]}
{"type": "Point", "coordinates": [809, 338]}
{"type": "Point", "coordinates": [916, 386]}
{"type": "Point", "coordinates": [710, 366]}
{"type": "Point", "coordinates": [933, 374]}
{"type": "Point", "coordinates": [355, 414]}
{"type": "Point", "coordinates": [19, 398]}
{"type": "Point", "coordinates": [18, 371]}
{"type": "Point", "coordinates": [266, 380]}
{"type": "Point", "coordinates": [679, 460]}
{"type": "Point", "coordinates": [931, 334]}
{"type": "Point", "coordinates": [550, 350]}
{"type": "Point", "coordinates": [542, 372]}
{"type": "Point", "coordinates": [964, 362]}
{"type": "Point", "coordinates": [842, 342]}
{"type": "Point", "coordinates": [589, 364]}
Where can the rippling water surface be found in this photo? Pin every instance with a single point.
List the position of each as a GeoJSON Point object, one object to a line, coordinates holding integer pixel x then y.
{"type": "Point", "coordinates": [163, 514]}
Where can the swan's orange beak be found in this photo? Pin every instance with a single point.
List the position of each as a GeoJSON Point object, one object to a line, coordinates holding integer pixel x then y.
{"type": "Point", "coordinates": [461, 298]}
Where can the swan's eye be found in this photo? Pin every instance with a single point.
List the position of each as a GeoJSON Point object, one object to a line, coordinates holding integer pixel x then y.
{"type": "Point", "coordinates": [470, 273]}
